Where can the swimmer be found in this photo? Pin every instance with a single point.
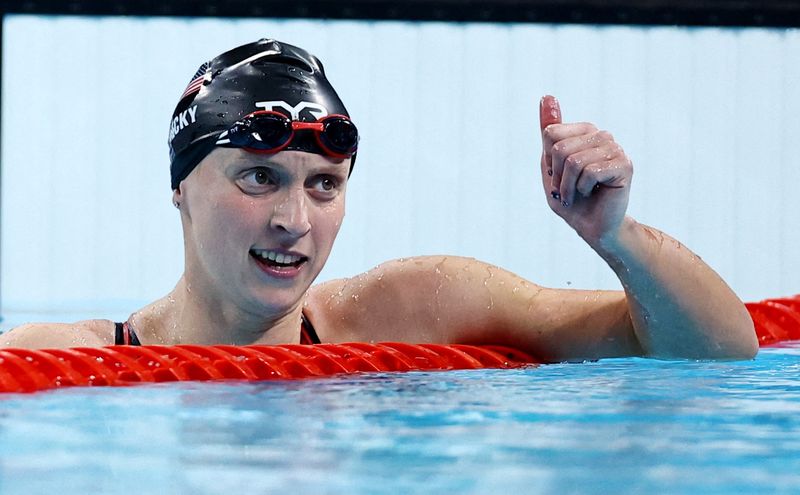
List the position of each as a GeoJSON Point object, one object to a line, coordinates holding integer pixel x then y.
{"type": "Point", "coordinates": [261, 150]}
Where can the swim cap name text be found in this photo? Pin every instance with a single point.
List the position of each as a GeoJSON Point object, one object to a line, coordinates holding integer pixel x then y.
{"type": "Point", "coordinates": [182, 120]}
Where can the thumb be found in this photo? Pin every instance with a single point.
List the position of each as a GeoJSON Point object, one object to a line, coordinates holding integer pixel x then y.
{"type": "Point", "coordinates": [549, 111]}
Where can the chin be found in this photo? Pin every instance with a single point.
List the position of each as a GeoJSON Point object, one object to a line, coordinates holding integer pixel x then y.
{"type": "Point", "coordinates": [278, 300]}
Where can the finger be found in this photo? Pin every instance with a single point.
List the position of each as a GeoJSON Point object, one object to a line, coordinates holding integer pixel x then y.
{"type": "Point", "coordinates": [615, 173]}
{"type": "Point", "coordinates": [566, 138]}
{"type": "Point", "coordinates": [581, 152]}
{"type": "Point", "coordinates": [582, 137]}
{"type": "Point", "coordinates": [559, 132]}
{"type": "Point", "coordinates": [549, 111]}
{"type": "Point", "coordinates": [549, 114]}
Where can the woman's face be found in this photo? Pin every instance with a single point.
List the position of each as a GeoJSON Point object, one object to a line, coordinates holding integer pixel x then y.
{"type": "Point", "coordinates": [258, 228]}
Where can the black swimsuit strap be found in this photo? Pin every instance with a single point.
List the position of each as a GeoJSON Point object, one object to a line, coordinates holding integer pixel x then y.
{"type": "Point", "coordinates": [119, 334]}
{"type": "Point", "coordinates": [308, 329]}
{"type": "Point", "coordinates": [134, 340]}
{"type": "Point", "coordinates": [123, 330]}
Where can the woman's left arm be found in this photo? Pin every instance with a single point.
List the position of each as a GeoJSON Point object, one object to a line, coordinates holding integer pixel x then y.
{"type": "Point", "coordinates": [678, 306]}
{"type": "Point", "coordinates": [673, 305]}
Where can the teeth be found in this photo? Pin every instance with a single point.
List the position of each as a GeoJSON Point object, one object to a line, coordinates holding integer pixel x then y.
{"type": "Point", "coordinates": [284, 259]}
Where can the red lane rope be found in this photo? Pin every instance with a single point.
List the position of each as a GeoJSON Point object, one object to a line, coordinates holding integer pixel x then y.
{"type": "Point", "coordinates": [23, 370]}
{"type": "Point", "coordinates": [776, 320]}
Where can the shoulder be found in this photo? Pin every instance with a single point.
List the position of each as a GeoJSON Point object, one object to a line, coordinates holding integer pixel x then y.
{"type": "Point", "coordinates": [87, 333]}
{"type": "Point", "coordinates": [405, 273]}
{"type": "Point", "coordinates": [456, 300]}
{"type": "Point", "coordinates": [420, 299]}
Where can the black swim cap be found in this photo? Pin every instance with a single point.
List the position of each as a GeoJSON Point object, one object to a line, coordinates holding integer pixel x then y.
{"type": "Point", "coordinates": [265, 75]}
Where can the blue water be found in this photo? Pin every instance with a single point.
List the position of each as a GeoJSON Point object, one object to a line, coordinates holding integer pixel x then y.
{"type": "Point", "coordinates": [614, 426]}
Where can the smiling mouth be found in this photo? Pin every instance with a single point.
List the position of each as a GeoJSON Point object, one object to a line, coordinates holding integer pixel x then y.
{"type": "Point", "coordinates": [274, 259]}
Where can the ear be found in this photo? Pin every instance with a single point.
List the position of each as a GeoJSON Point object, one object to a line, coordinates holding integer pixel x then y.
{"type": "Point", "coordinates": [177, 197]}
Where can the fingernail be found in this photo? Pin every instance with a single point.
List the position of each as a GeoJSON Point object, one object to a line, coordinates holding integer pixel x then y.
{"type": "Point", "coordinates": [564, 204]}
{"type": "Point", "coordinates": [555, 195]}
{"type": "Point", "coordinates": [549, 171]}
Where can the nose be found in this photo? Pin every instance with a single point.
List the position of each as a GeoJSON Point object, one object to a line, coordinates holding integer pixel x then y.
{"type": "Point", "coordinates": [290, 214]}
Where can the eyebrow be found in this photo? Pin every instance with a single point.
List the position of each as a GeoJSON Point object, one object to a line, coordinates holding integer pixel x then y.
{"type": "Point", "coordinates": [331, 168]}
{"type": "Point", "coordinates": [315, 168]}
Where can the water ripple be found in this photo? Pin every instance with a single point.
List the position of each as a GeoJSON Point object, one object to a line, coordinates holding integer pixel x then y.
{"type": "Point", "coordinates": [619, 425]}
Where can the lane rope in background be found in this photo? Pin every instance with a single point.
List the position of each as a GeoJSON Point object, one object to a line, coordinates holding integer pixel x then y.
{"type": "Point", "coordinates": [776, 320]}
{"type": "Point", "coordinates": [24, 370]}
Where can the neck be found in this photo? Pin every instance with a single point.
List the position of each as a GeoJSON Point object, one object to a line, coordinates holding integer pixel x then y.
{"type": "Point", "coordinates": [185, 316]}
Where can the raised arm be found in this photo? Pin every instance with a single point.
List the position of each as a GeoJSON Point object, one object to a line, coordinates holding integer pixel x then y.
{"type": "Point", "coordinates": [673, 304]}
{"type": "Point", "coordinates": [679, 307]}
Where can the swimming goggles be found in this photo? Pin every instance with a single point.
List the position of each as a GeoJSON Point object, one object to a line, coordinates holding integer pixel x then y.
{"type": "Point", "coordinates": [266, 131]}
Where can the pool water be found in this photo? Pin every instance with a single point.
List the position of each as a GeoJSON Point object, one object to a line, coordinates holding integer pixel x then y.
{"type": "Point", "coordinates": [613, 426]}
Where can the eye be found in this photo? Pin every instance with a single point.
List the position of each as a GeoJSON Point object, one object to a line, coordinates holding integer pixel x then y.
{"type": "Point", "coordinates": [260, 176]}
{"type": "Point", "coordinates": [326, 184]}
{"type": "Point", "coordinates": [257, 179]}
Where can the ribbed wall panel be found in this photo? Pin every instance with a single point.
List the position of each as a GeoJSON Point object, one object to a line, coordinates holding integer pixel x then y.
{"type": "Point", "coordinates": [449, 156]}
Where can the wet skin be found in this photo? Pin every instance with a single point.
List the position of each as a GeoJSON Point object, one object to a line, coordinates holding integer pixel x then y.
{"type": "Point", "coordinates": [236, 205]}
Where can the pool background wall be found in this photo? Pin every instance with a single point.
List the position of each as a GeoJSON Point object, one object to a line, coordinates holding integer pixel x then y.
{"type": "Point", "coordinates": [449, 156]}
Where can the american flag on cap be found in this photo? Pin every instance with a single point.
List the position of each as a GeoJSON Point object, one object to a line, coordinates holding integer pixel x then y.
{"type": "Point", "coordinates": [197, 81]}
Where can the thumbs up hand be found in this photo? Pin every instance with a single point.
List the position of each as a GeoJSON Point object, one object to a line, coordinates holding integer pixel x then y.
{"type": "Point", "coordinates": [585, 173]}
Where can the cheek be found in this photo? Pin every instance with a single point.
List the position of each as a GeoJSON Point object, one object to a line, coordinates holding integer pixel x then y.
{"type": "Point", "coordinates": [327, 223]}
{"type": "Point", "coordinates": [228, 221]}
